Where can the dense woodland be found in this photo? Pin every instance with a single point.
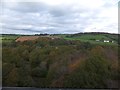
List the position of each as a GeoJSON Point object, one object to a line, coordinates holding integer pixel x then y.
{"type": "Point", "coordinates": [60, 63]}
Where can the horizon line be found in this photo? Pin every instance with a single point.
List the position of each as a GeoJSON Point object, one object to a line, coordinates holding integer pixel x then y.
{"type": "Point", "coordinates": [57, 33]}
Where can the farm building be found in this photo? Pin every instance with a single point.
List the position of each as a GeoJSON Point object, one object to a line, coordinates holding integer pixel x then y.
{"type": "Point", "coordinates": [112, 41]}
{"type": "Point", "coordinates": [106, 41]}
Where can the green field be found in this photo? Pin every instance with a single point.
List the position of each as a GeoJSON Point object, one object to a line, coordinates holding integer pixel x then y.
{"type": "Point", "coordinates": [92, 38]}
{"type": "Point", "coordinates": [8, 38]}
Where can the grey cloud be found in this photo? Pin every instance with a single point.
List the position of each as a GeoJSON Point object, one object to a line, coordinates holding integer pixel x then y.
{"type": "Point", "coordinates": [57, 13]}
{"type": "Point", "coordinates": [25, 30]}
{"type": "Point", "coordinates": [56, 19]}
{"type": "Point", "coordinates": [60, 11]}
{"type": "Point", "coordinates": [26, 7]}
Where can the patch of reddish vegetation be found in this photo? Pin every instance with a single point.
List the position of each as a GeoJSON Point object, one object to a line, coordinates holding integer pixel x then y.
{"type": "Point", "coordinates": [26, 38]}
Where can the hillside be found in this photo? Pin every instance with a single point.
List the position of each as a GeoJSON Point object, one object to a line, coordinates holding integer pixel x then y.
{"type": "Point", "coordinates": [96, 38]}
{"type": "Point", "coordinates": [70, 61]}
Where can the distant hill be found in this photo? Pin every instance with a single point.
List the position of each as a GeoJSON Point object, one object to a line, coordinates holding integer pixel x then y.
{"type": "Point", "coordinates": [92, 37]}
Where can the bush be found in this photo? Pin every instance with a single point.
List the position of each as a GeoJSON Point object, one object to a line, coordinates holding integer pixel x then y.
{"type": "Point", "coordinates": [92, 73]}
{"type": "Point", "coordinates": [38, 72]}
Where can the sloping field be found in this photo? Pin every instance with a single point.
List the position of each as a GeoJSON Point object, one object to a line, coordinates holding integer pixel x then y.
{"type": "Point", "coordinates": [26, 38]}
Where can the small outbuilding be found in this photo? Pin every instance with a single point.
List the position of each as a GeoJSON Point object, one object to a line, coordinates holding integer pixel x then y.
{"type": "Point", "coordinates": [106, 41]}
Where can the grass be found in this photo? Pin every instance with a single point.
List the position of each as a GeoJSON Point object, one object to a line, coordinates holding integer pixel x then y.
{"type": "Point", "coordinates": [91, 41]}
{"type": "Point", "coordinates": [8, 38]}
{"type": "Point", "coordinates": [92, 38]}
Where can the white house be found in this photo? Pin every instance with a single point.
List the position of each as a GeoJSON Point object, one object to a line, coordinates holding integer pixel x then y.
{"type": "Point", "coordinates": [112, 41]}
{"type": "Point", "coordinates": [106, 41]}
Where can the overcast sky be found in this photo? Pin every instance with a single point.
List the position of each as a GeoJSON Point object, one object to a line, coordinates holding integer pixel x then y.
{"type": "Point", "coordinates": [59, 16]}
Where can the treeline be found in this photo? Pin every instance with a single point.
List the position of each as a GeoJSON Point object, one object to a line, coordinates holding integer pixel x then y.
{"type": "Point", "coordinates": [59, 63]}
{"type": "Point", "coordinates": [94, 33]}
{"type": "Point", "coordinates": [97, 33]}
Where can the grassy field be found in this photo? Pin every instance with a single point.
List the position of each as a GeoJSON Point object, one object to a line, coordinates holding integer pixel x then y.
{"type": "Point", "coordinates": [8, 38]}
{"type": "Point", "coordinates": [92, 38]}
